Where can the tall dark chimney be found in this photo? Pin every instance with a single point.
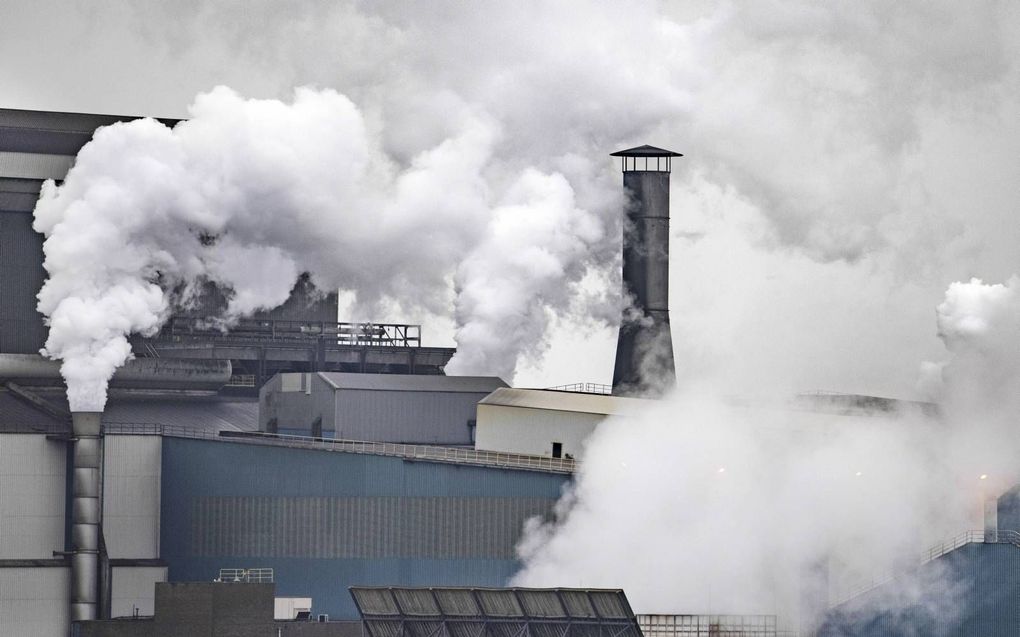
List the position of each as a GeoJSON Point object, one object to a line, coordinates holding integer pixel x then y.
{"type": "Point", "coordinates": [644, 349]}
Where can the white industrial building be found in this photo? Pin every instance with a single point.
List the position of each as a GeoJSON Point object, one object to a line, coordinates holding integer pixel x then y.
{"type": "Point", "coordinates": [543, 422]}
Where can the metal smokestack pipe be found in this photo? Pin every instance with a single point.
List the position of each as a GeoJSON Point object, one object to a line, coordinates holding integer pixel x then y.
{"type": "Point", "coordinates": [644, 349]}
{"type": "Point", "coordinates": [86, 510]}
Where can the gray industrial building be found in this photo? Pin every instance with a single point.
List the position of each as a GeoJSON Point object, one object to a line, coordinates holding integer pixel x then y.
{"type": "Point", "coordinates": [402, 408]}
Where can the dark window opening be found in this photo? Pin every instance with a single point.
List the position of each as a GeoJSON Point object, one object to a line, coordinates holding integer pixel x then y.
{"type": "Point", "coordinates": [557, 450]}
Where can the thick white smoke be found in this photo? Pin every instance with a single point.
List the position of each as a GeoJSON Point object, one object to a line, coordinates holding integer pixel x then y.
{"type": "Point", "coordinates": [250, 193]}
{"type": "Point", "coordinates": [752, 507]}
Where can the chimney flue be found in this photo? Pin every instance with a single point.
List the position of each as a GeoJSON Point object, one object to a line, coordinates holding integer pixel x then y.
{"type": "Point", "coordinates": [644, 349]}
{"type": "Point", "coordinates": [86, 512]}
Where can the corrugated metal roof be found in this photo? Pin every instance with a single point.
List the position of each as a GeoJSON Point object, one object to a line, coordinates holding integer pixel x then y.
{"type": "Point", "coordinates": [530, 612]}
{"type": "Point", "coordinates": [65, 122]}
{"type": "Point", "coordinates": [207, 414]}
{"type": "Point", "coordinates": [413, 382]}
{"type": "Point", "coordinates": [564, 401]}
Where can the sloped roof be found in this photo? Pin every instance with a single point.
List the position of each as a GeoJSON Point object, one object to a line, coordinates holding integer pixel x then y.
{"type": "Point", "coordinates": [466, 612]}
{"type": "Point", "coordinates": [127, 410]}
{"type": "Point", "coordinates": [211, 415]}
{"type": "Point", "coordinates": [645, 151]}
{"type": "Point", "coordinates": [20, 416]}
{"type": "Point", "coordinates": [413, 382]}
{"type": "Point", "coordinates": [564, 401]}
{"type": "Point", "coordinates": [52, 132]}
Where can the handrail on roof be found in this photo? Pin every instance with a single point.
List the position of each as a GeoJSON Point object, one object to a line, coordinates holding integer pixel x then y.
{"type": "Point", "coordinates": [427, 453]}
{"type": "Point", "coordinates": [980, 536]}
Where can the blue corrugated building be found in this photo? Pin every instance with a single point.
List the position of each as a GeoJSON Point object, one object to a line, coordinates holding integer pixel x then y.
{"type": "Point", "coordinates": [326, 520]}
{"type": "Point", "coordinates": [971, 591]}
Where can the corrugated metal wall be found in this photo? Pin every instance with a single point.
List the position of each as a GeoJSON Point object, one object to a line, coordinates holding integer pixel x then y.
{"type": "Point", "coordinates": [972, 591]}
{"type": "Point", "coordinates": [32, 484]}
{"type": "Point", "coordinates": [406, 416]}
{"type": "Point", "coordinates": [33, 601]}
{"type": "Point", "coordinates": [325, 521]}
{"type": "Point", "coordinates": [361, 527]}
{"type": "Point", "coordinates": [131, 489]}
{"type": "Point", "coordinates": [21, 275]}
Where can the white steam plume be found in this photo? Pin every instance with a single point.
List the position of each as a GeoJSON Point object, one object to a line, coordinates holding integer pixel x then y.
{"type": "Point", "coordinates": [751, 507]}
{"type": "Point", "coordinates": [250, 193]}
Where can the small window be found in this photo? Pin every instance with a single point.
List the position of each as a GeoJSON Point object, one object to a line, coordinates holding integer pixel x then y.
{"type": "Point", "coordinates": [557, 450]}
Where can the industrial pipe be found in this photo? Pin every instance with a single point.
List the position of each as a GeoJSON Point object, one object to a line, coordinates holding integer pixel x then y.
{"type": "Point", "coordinates": [86, 513]}
{"type": "Point", "coordinates": [160, 373]}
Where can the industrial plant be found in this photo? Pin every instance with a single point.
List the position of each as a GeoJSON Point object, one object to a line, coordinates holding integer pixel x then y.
{"type": "Point", "coordinates": [293, 474]}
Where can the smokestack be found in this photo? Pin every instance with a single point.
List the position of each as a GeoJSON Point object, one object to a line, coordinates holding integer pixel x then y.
{"type": "Point", "coordinates": [86, 510]}
{"type": "Point", "coordinates": [644, 349]}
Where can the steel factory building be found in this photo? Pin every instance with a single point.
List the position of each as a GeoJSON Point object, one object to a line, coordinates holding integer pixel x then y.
{"type": "Point", "coordinates": [314, 455]}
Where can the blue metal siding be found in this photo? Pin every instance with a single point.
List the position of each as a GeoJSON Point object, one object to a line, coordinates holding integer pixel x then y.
{"type": "Point", "coordinates": [1009, 509]}
{"type": "Point", "coordinates": [325, 520]}
{"type": "Point", "coordinates": [978, 595]}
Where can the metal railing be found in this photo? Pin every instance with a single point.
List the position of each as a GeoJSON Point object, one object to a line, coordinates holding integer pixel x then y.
{"type": "Point", "coordinates": [241, 380]}
{"type": "Point", "coordinates": [585, 388]}
{"type": "Point", "coordinates": [248, 575]}
{"type": "Point", "coordinates": [710, 626]}
{"type": "Point", "coordinates": [407, 451]}
{"type": "Point", "coordinates": [184, 328]}
{"type": "Point", "coordinates": [990, 536]}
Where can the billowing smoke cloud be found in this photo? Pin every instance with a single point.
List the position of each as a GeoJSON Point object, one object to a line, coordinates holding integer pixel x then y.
{"type": "Point", "coordinates": [778, 508]}
{"type": "Point", "coordinates": [840, 161]}
{"type": "Point", "coordinates": [536, 243]}
{"type": "Point", "coordinates": [248, 194]}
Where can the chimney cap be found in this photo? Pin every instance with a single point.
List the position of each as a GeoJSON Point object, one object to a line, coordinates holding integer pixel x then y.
{"type": "Point", "coordinates": [645, 151]}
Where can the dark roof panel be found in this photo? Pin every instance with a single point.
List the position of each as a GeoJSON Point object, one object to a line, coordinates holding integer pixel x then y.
{"type": "Point", "coordinates": [413, 382]}
{"type": "Point", "coordinates": [645, 151]}
{"type": "Point", "coordinates": [19, 416]}
{"type": "Point", "coordinates": [208, 415]}
{"type": "Point", "coordinates": [406, 611]}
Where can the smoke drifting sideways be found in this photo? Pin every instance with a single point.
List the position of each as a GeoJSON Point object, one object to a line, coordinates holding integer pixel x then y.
{"type": "Point", "coordinates": [785, 507]}
{"type": "Point", "coordinates": [248, 194]}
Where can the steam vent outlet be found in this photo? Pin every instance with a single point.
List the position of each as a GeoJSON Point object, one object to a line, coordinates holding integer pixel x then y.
{"type": "Point", "coordinates": [85, 514]}
{"type": "Point", "coordinates": [644, 347]}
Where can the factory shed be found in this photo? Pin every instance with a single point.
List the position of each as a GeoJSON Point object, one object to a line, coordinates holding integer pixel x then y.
{"type": "Point", "coordinates": [545, 422]}
{"type": "Point", "coordinates": [399, 408]}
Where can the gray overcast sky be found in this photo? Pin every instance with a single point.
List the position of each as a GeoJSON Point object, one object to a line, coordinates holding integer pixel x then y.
{"type": "Point", "coordinates": [844, 162]}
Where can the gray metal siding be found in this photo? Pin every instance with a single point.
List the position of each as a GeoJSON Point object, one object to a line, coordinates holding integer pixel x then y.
{"type": "Point", "coordinates": [21, 275]}
{"type": "Point", "coordinates": [296, 409]}
{"type": "Point", "coordinates": [326, 520]}
{"type": "Point", "coordinates": [405, 416]}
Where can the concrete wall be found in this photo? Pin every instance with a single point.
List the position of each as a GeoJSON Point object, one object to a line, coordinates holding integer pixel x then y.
{"type": "Point", "coordinates": [34, 601]}
{"type": "Point", "coordinates": [134, 589]}
{"type": "Point", "coordinates": [32, 495]}
{"type": "Point", "coordinates": [532, 431]}
{"type": "Point", "coordinates": [131, 491]}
